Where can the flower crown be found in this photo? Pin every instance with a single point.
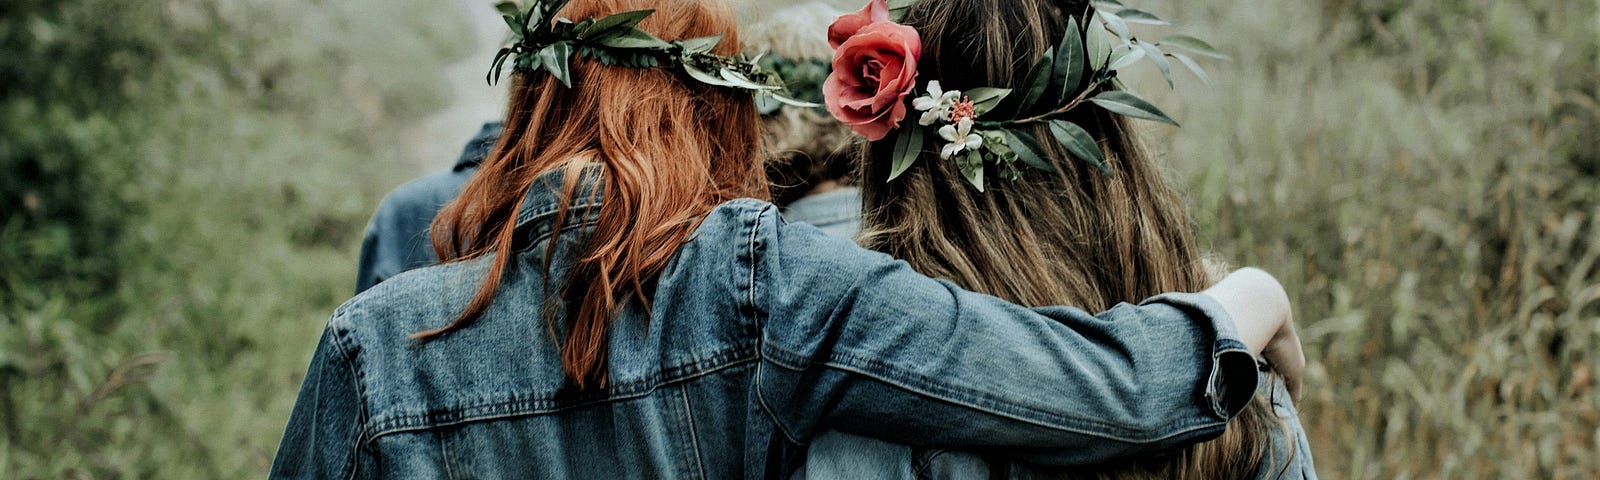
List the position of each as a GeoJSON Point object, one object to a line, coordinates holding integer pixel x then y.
{"type": "Point", "coordinates": [541, 41]}
{"type": "Point", "coordinates": [875, 69]}
{"type": "Point", "coordinates": [802, 77]}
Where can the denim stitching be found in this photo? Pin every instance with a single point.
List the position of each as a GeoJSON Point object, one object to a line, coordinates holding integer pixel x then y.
{"type": "Point", "coordinates": [1043, 419]}
{"type": "Point", "coordinates": [755, 229]}
{"type": "Point", "coordinates": [847, 362]}
{"type": "Point", "coordinates": [843, 360]}
{"type": "Point", "coordinates": [407, 422]}
{"type": "Point", "coordinates": [358, 377]}
{"type": "Point", "coordinates": [761, 400]}
{"type": "Point", "coordinates": [694, 436]}
{"type": "Point", "coordinates": [452, 415]}
{"type": "Point", "coordinates": [444, 453]}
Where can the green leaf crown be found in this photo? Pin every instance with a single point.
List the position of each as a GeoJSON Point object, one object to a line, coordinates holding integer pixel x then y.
{"type": "Point", "coordinates": [802, 77]}
{"type": "Point", "coordinates": [543, 42]}
{"type": "Point", "coordinates": [1085, 59]}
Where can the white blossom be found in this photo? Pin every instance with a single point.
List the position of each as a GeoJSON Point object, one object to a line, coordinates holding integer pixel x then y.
{"type": "Point", "coordinates": [960, 137]}
{"type": "Point", "coordinates": [936, 104]}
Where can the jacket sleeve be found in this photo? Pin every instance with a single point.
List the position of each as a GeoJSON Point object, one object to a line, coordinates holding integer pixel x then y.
{"type": "Point", "coordinates": [372, 252]}
{"type": "Point", "coordinates": [323, 436]}
{"type": "Point", "coordinates": [856, 341]}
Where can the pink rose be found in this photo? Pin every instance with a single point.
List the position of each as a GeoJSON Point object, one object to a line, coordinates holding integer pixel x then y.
{"type": "Point", "coordinates": [848, 24]}
{"type": "Point", "coordinates": [873, 71]}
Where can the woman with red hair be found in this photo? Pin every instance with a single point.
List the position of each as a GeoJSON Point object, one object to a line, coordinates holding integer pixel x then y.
{"type": "Point", "coordinates": [617, 301]}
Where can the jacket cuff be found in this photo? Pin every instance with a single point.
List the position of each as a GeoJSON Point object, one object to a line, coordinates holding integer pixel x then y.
{"type": "Point", "coordinates": [1233, 378]}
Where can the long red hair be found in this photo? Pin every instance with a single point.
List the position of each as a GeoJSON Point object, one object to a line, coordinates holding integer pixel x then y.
{"type": "Point", "coordinates": [672, 150]}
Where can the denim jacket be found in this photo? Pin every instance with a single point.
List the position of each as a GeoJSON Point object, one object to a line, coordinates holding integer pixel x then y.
{"type": "Point", "coordinates": [761, 334]}
{"type": "Point", "coordinates": [397, 236]}
{"type": "Point", "coordinates": [833, 455]}
{"type": "Point", "coordinates": [836, 213]}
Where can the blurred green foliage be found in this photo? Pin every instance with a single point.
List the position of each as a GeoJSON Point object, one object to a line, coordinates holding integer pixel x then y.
{"type": "Point", "coordinates": [184, 183]}
{"type": "Point", "coordinates": [184, 186]}
{"type": "Point", "coordinates": [1422, 175]}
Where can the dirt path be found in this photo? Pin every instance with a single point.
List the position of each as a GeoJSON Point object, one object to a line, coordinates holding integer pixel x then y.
{"type": "Point", "coordinates": [436, 141]}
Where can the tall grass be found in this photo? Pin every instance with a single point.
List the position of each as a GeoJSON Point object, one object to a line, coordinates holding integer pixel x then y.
{"type": "Point", "coordinates": [1423, 176]}
{"type": "Point", "coordinates": [185, 184]}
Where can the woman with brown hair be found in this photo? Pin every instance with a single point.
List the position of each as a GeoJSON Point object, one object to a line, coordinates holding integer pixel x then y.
{"type": "Point", "coordinates": [617, 302]}
{"type": "Point", "coordinates": [1091, 226]}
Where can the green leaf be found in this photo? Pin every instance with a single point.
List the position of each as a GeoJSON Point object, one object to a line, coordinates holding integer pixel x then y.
{"type": "Point", "coordinates": [1098, 43]}
{"type": "Point", "coordinates": [701, 44]}
{"type": "Point", "coordinates": [552, 6]}
{"type": "Point", "coordinates": [532, 19]}
{"type": "Point", "coordinates": [767, 105]}
{"type": "Point", "coordinates": [1028, 150]}
{"type": "Point", "coordinates": [972, 168]}
{"type": "Point", "coordinates": [1069, 60]}
{"type": "Point", "coordinates": [1116, 25]}
{"type": "Point", "coordinates": [496, 65]}
{"type": "Point", "coordinates": [1107, 5]}
{"type": "Point", "coordinates": [897, 8]}
{"type": "Point", "coordinates": [1134, 15]}
{"type": "Point", "coordinates": [1124, 103]}
{"type": "Point", "coordinates": [1195, 45]}
{"type": "Point", "coordinates": [1124, 57]}
{"type": "Point", "coordinates": [614, 24]}
{"type": "Point", "coordinates": [994, 142]}
{"type": "Point", "coordinates": [507, 8]}
{"type": "Point", "coordinates": [1193, 67]}
{"type": "Point", "coordinates": [1038, 79]}
{"type": "Point", "coordinates": [907, 149]}
{"type": "Point", "coordinates": [582, 26]}
{"type": "Point", "coordinates": [740, 81]}
{"type": "Point", "coordinates": [1157, 56]}
{"type": "Point", "coordinates": [706, 77]}
{"type": "Point", "coordinates": [527, 62]}
{"type": "Point", "coordinates": [557, 59]}
{"type": "Point", "coordinates": [986, 98]}
{"type": "Point", "coordinates": [634, 38]}
{"type": "Point", "coordinates": [564, 26]}
{"type": "Point", "coordinates": [516, 28]}
{"type": "Point", "coordinates": [791, 101]}
{"type": "Point", "coordinates": [1079, 143]}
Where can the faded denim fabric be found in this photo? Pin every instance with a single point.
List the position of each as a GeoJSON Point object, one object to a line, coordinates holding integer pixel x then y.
{"type": "Point", "coordinates": [762, 333]}
{"type": "Point", "coordinates": [836, 212]}
{"type": "Point", "coordinates": [397, 236]}
{"type": "Point", "coordinates": [834, 455]}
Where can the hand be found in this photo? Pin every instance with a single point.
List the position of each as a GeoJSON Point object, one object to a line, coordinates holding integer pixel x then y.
{"type": "Point", "coordinates": [1265, 321]}
{"type": "Point", "coordinates": [1284, 355]}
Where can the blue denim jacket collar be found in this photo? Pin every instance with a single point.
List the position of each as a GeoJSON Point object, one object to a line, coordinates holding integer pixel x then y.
{"type": "Point", "coordinates": [478, 148]}
{"type": "Point", "coordinates": [547, 194]}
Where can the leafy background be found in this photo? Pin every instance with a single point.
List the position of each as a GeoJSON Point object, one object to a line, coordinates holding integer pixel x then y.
{"type": "Point", "coordinates": [185, 182]}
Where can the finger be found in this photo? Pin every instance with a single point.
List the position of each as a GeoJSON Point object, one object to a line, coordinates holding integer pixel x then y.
{"type": "Point", "coordinates": [1293, 383]}
{"type": "Point", "coordinates": [1289, 364]}
{"type": "Point", "coordinates": [1299, 368]}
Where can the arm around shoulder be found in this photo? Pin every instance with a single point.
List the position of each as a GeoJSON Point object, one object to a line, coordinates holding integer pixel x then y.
{"type": "Point", "coordinates": [857, 341]}
{"type": "Point", "coordinates": [1262, 314]}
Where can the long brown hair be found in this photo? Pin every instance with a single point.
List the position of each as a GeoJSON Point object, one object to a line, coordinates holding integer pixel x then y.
{"type": "Point", "coordinates": [671, 151]}
{"type": "Point", "coordinates": [1079, 237]}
